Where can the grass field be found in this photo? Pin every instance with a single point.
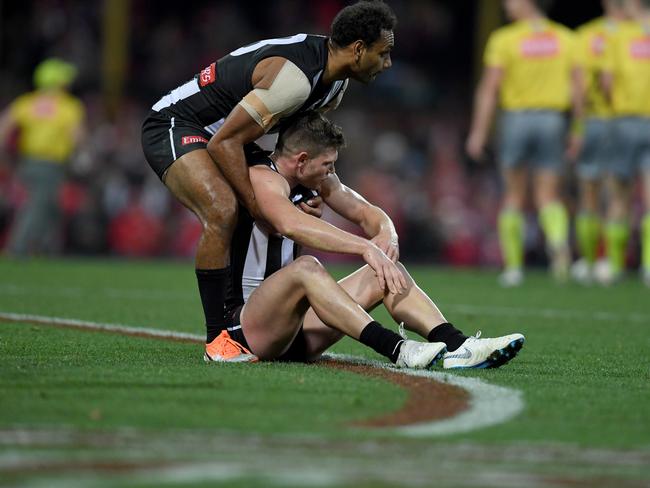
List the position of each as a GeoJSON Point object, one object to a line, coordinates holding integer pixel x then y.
{"type": "Point", "coordinates": [97, 409]}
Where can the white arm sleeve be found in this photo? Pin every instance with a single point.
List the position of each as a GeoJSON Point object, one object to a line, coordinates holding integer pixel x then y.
{"type": "Point", "coordinates": [288, 92]}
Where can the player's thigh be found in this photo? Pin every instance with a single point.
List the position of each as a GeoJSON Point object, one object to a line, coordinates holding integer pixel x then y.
{"type": "Point", "coordinates": [548, 140]}
{"type": "Point", "coordinates": [274, 312]}
{"type": "Point", "coordinates": [196, 181]}
{"type": "Point", "coordinates": [513, 139]}
{"type": "Point", "coordinates": [363, 287]}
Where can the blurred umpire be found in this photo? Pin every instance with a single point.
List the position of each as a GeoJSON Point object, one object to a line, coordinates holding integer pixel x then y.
{"type": "Point", "coordinates": [626, 76]}
{"type": "Point", "coordinates": [199, 136]}
{"type": "Point", "coordinates": [596, 154]}
{"type": "Point", "coordinates": [50, 124]}
{"type": "Point", "coordinates": [530, 69]}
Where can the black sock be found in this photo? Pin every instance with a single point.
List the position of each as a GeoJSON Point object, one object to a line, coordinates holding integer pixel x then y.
{"type": "Point", "coordinates": [448, 334]}
{"type": "Point", "coordinates": [212, 287]}
{"type": "Point", "coordinates": [384, 341]}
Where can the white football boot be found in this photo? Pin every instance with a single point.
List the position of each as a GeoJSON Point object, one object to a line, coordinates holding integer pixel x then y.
{"type": "Point", "coordinates": [484, 353]}
{"type": "Point", "coordinates": [420, 355]}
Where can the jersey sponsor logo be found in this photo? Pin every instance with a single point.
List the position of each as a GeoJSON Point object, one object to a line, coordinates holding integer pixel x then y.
{"type": "Point", "coordinates": [540, 46]}
{"type": "Point", "coordinates": [185, 140]}
{"type": "Point", "coordinates": [598, 45]}
{"type": "Point", "coordinates": [208, 75]}
{"type": "Point", "coordinates": [640, 48]}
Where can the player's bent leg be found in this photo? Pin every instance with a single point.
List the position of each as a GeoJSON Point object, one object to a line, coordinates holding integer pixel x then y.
{"type": "Point", "coordinates": [274, 312]}
{"type": "Point", "coordinates": [196, 181]}
{"type": "Point", "coordinates": [333, 308]}
{"type": "Point", "coordinates": [362, 286]}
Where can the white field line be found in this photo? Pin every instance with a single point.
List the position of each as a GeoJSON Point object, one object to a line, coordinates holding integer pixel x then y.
{"type": "Point", "coordinates": [488, 405]}
{"type": "Point", "coordinates": [122, 294]}
{"type": "Point", "coordinates": [96, 326]}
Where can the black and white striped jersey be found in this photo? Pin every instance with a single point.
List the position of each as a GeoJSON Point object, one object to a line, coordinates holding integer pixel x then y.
{"type": "Point", "coordinates": [208, 98]}
{"type": "Point", "coordinates": [256, 254]}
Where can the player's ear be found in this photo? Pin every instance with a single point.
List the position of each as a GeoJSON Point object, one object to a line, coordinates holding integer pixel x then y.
{"type": "Point", "coordinates": [357, 49]}
{"type": "Point", "coordinates": [302, 157]}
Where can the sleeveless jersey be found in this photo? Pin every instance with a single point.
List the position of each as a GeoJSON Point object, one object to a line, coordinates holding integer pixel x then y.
{"type": "Point", "coordinates": [208, 98]}
{"type": "Point", "coordinates": [255, 254]}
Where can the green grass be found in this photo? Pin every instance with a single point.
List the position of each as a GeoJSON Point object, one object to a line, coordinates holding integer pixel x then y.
{"type": "Point", "coordinates": [584, 371]}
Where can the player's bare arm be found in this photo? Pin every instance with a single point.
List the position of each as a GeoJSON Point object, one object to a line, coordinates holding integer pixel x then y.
{"type": "Point", "coordinates": [376, 224]}
{"type": "Point", "coordinates": [272, 194]}
{"type": "Point", "coordinates": [485, 103]}
{"type": "Point", "coordinates": [279, 89]}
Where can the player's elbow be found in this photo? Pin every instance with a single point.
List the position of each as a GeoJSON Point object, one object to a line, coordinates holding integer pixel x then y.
{"type": "Point", "coordinates": [287, 227]}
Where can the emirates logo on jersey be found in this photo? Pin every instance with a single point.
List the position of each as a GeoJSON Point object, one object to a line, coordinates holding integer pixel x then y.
{"type": "Point", "coordinates": [598, 44]}
{"type": "Point", "coordinates": [540, 46]}
{"type": "Point", "coordinates": [640, 48]}
{"type": "Point", "coordinates": [208, 75]}
{"type": "Point", "coordinates": [185, 140]}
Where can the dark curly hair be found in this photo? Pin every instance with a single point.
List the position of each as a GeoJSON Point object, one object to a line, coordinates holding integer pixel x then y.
{"type": "Point", "coordinates": [310, 132]}
{"type": "Point", "coordinates": [362, 21]}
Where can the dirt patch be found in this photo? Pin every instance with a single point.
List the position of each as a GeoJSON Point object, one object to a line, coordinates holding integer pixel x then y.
{"type": "Point", "coordinates": [428, 400]}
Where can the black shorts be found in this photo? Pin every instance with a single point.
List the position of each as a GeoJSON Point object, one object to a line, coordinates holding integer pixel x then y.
{"type": "Point", "coordinates": [165, 139]}
{"type": "Point", "coordinates": [296, 353]}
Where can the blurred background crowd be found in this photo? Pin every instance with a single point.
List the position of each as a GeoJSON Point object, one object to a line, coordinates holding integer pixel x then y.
{"type": "Point", "coordinates": [405, 132]}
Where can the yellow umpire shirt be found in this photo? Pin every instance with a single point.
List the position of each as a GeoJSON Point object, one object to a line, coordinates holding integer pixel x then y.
{"type": "Point", "coordinates": [536, 58]}
{"type": "Point", "coordinates": [47, 124]}
{"type": "Point", "coordinates": [592, 39]}
{"type": "Point", "coordinates": [627, 58]}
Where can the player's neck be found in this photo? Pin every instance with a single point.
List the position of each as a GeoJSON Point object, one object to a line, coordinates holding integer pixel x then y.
{"type": "Point", "coordinates": [337, 66]}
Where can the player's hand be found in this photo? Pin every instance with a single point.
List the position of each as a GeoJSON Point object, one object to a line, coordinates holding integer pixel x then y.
{"type": "Point", "coordinates": [313, 207]}
{"type": "Point", "coordinates": [389, 244]}
{"type": "Point", "coordinates": [388, 274]}
{"type": "Point", "coordinates": [574, 147]}
{"type": "Point", "coordinates": [475, 147]}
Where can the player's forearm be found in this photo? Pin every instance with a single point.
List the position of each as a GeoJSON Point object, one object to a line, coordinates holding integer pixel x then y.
{"type": "Point", "coordinates": [316, 233]}
{"type": "Point", "coordinates": [484, 108]}
{"type": "Point", "coordinates": [375, 221]}
{"type": "Point", "coordinates": [230, 159]}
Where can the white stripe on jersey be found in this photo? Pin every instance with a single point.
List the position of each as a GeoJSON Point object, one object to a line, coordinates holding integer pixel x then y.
{"type": "Point", "coordinates": [276, 42]}
{"type": "Point", "coordinates": [177, 94]}
{"type": "Point", "coordinates": [171, 139]}
{"type": "Point", "coordinates": [255, 264]}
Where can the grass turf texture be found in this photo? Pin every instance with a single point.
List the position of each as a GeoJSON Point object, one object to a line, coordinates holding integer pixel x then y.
{"type": "Point", "coordinates": [584, 370]}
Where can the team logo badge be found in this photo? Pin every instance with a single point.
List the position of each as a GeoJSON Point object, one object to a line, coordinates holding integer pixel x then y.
{"type": "Point", "coordinates": [193, 140]}
{"type": "Point", "coordinates": [640, 48]}
{"type": "Point", "coordinates": [208, 75]}
{"type": "Point", "coordinates": [540, 46]}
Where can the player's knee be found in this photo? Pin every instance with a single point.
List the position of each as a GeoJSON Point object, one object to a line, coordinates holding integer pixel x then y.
{"type": "Point", "coordinates": [308, 266]}
{"type": "Point", "coordinates": [221, 215]}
